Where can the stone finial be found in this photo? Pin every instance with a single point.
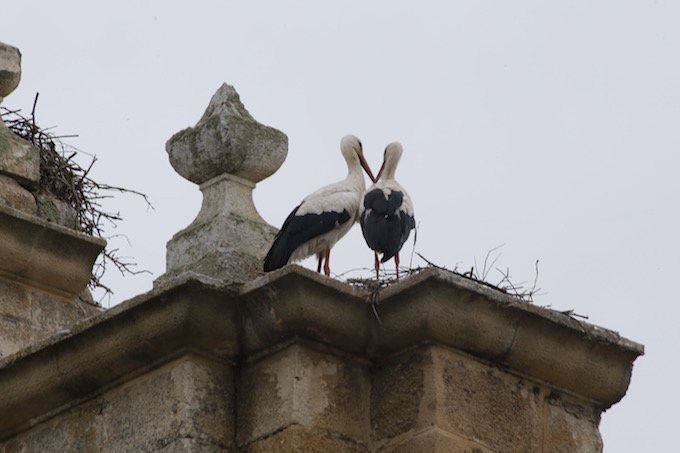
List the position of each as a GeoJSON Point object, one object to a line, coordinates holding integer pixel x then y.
{"type": "Point", "coordinates": [227, 139]}
{"type": "Point", "coordinates": [10, 69]}
{"type": "Point", "coordinates": [226, 154]}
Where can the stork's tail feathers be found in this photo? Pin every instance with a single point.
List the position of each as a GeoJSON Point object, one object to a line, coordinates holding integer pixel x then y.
{"type": "Point", "coordinates": [387, 256]}
{"type": "Point", "coordinates": [278, 255]}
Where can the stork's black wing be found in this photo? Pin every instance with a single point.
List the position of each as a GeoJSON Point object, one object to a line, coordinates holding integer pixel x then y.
{"type": "Point", "coordinates": [385, 225]}
{"type": "Point", "coordinates": [298, 229]}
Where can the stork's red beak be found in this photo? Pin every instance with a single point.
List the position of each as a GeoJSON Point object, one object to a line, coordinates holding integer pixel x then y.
{"type": "Point", "coordinates": [365, 166]}
{"type": "Point", "coordinates": [382, 167]}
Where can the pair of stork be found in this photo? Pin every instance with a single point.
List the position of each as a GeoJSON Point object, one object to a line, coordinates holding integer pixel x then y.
{"type": "Point", "coordinates": [385, 212]}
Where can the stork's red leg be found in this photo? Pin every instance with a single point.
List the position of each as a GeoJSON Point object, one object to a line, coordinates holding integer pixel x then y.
{"type": "Point", "coordinates": [318, 267]}
{"type": "Point", "coordinates": [396, 261]}
{"type": "Point", "coordinates": [377, 266]}
{"type": "Point", "coordinates": [326, 266]}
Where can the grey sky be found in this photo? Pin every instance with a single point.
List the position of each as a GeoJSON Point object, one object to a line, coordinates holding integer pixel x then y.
{"type": "Point", "coordinates": [552, 127]}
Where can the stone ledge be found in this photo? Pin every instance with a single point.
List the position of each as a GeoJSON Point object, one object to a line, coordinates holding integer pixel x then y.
{"type": "Point", "coordinates": [441, 307]}
{"type": "Point", "coordinates": [42, 254]}
{"type": "Point", "coordinates": [225, 322]}
{"type": "Point", "coordinates": [594, 332]}
{"type": "Point", "coordinates": [295, 302]}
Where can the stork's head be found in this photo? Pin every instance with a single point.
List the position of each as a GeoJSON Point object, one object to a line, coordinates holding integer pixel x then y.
{"type": "Point", "coordinates": [391, 158]}
{"type": "Point", "coordinates": [353, 153]}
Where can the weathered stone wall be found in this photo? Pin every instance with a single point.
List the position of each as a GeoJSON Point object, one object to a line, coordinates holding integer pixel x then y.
{"type": "Point", "coordinates": [302, 393]}
{"type": "Point", "coordinates": [186, 405]}
{"type": "Point", "coordinates": [28, 315]}
{"type": "Point", "coordinates": [437, 394]}
{"type": "Point", "coordinates": [298, 362]}
{"type": "Point", "coordinates": [304, 397]}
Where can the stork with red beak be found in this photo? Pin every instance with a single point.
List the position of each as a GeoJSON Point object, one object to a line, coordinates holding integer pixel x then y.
{"type": "Point", "coordinates": [323, 217]}
{"type": "Point", "coordinates": [387, 216]}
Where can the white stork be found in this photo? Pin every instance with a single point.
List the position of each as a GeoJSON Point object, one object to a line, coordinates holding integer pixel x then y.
{"type": "Point", "coordinates": [387, 211]}
{"type": "Point", "coordinates": [324, 217]}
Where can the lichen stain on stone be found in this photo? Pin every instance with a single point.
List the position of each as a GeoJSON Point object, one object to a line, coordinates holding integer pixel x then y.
{"type": "Point", "coordinates": [311, 389]}
{"type": "Point", "coordinates": [262, 389]}
{"type": "Point", "coordinates": [396, 394]}
{"type": "Point", "coordinates": [479, 401]}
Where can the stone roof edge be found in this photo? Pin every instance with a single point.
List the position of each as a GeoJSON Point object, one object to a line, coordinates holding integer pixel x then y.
{"type": "Point", "coordinates": [44, 255]}
{"type": "Point", "coordinates": [592, 331]}
{"type": "Point", "coordinates": [111, 313]}
{"type": "Point", "coordinates": [51, 226]}
{"type": "Point", "coordinates": [170, 314]}
{"type": "Point", "coordinates": [100, 350]}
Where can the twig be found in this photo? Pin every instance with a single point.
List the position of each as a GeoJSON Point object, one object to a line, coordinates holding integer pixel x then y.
{"type": "Point", "coordinates": [485, 270]}
{"type": "Point", "coordinates": [572, 314]}
{"type": "Point", "coordinates": [430, 262]}
{"type": "Point", "coordinates": [415, 240]}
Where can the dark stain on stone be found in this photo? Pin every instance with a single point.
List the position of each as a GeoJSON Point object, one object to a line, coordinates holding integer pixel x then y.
{"type": "Point", "coordinates": [397, 390]}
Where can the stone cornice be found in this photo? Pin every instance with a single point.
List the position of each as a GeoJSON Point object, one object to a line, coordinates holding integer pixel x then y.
{"type": "Point", "coordinates": [197, 313]}
{"type": "Point", "coordinates": [45, 255]}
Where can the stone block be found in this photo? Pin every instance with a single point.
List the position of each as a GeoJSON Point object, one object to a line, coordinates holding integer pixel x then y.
{"type": "Point", "coordinates": [403, 397]}
{"type": "Point", "coordinates": [56, 211]}
{"type": "Point", "coordinates": [436, 386]}
{"type": "Point", "coordinates": [10, 69]}
{"type": "Point", "coordinates": [15, 326]}
{"type": "Point", "coordinates": [190, 398]}
{"type": "Point", "coordinates": [228, 245]}
{"type": "Point", "coordinates": [483, 402]}
{"type": "Point", "coordinates": [295, 438]}
{"type": "Point", "coordinates": [186, 405]}
{"type": "Point", "coordinates": [16, 334]}
{"type": "Point", "coordinates": [28, 315]}
{"type": "Point", "coordinates": [70, 431]}
{"type": "Point", "coordinates": [15, 301]}
{"type": "Point", "coordinates": [50, 313]}
{"type": "Point", "coordinates": [18, 158]}
{"type": "Point", "coordinates": [571, 427]}
{"type": "Point", "coordinates": [302, 386]}
{"type": "Point", "coordinates": [195, 445]}
{"type": "Point", "coordinates": [435, 440]}
{"type": "Point", "coordinates": [15, 196]}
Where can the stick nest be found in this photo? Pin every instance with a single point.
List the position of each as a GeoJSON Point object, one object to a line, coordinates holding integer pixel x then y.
{"type": "Point", "coordinates": [70, 182]}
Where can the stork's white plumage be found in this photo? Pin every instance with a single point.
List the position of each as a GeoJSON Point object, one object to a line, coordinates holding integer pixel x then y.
{"type": "Point", "coordinates": [323, 217]}
{"type": "Point", "coordinates": [387, 216]}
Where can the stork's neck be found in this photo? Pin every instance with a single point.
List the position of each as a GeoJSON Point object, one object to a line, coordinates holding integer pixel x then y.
{"type": "Point", "coordinates": [355, 175]}
{"type": "Point", "coordinates": [389, 171]}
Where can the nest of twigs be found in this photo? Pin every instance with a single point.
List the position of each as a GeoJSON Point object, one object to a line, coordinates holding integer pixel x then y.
{"type": "Point", "coordinates": [523, 291]}
{"type": "Point", "coordinates": [68, 181]}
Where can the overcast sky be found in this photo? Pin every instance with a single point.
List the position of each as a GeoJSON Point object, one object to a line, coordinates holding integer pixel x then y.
{"type": "Point", "coordinates": [551, 127]}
